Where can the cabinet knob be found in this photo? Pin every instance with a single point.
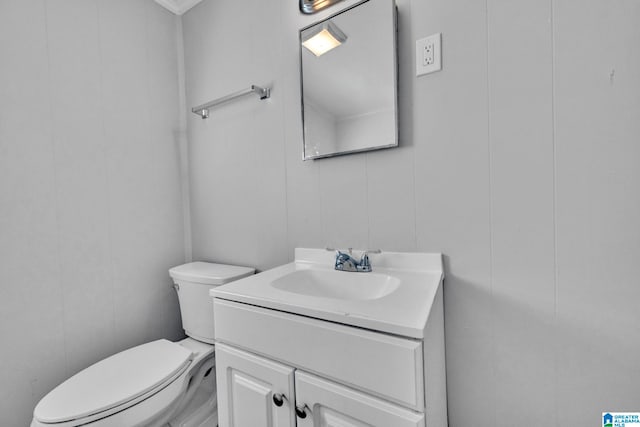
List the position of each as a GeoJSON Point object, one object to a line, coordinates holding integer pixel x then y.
{"type": "Point", "coordinates": [301, 411]}
{"type": "Point", "coordinates": [278, 399]}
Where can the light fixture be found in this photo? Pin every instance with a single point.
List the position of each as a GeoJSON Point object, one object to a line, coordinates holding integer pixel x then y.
{"type": "Point", "coordinates": [312, 6]}
{"type": "Point", "coordinates": [322, 38]}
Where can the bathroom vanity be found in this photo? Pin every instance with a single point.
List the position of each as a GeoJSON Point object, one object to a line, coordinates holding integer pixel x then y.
{"type": "Point", "coordinates": [306, 345]}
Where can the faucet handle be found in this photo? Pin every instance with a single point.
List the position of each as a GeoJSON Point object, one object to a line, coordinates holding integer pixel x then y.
{"type": "Point", "coordinates": [365, 254]}
{"type": "Point", "coordinates": [338, 251]}
{"type": "Point", "coordinates": [364, 260]}
{"type": "Point", "coordinates": [365, 264]}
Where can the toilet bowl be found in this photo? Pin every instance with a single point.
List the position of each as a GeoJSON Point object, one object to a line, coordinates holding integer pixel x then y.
{"type": "Point", "coordinates": [160, 383]}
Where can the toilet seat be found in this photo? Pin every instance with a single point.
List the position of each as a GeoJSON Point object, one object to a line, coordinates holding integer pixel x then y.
{"type": "Point", "coordinates": [115, 383]}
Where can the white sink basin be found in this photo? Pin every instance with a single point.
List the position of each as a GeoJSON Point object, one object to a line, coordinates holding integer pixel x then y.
{"type": "Point", "coordinates": [337, 284]}
{"type": "Point", "coordinates": [396, 297]}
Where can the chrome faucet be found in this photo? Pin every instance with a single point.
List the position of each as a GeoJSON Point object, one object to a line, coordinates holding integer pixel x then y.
{"type": "Point", "coordinates": [345, 262]}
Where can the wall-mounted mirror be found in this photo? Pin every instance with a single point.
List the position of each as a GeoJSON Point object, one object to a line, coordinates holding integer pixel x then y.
{"type": "Point", "coordinates": [349, 81]}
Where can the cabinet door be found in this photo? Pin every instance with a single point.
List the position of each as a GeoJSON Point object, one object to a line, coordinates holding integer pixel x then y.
{"type": "Point", "coordinates": [328, 404]}
{"type": "Point", "coordinates": [247, 385]}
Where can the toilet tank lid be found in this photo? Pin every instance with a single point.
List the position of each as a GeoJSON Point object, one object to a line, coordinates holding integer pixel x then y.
{"type": "Point", "coordinates": [209, 273]}
{"type": "Point", "coordinates": [114, 381]}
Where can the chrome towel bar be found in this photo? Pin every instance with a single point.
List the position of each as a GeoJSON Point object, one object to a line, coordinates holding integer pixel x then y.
{"type": "Point", "coordinates": [203, 110]}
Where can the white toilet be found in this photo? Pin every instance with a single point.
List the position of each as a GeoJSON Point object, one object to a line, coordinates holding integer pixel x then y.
{"type": "Point", "coordinates": [161, 383]}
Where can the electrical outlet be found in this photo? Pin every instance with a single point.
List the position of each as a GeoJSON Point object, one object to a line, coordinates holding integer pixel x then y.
{"type": "Point", "coordinates": [428, 54]}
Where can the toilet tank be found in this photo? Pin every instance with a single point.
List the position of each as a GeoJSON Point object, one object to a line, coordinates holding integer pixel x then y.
{"type": "Point", "coordinates": [193, 282]}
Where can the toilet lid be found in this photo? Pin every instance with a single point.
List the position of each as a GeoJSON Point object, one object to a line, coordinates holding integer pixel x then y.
{"type": "Point", "coordinates": [208, 273]}
{"type": "Point", "coordinates": [114, 381]}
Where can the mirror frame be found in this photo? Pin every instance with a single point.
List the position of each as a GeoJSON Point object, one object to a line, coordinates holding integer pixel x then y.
{"type": "Point", "coordinates": [395, 85]}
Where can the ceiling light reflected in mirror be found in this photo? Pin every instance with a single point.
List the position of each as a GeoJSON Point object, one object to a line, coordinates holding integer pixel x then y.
{"type": "Point", "coordinates": [326, 37]}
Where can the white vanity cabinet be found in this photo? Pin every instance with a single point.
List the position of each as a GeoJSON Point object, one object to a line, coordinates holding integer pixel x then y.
{"type": "Point", "coordinates": [336, 375]}
{"type": "Point", "coordinates": [256, 392]}
{"type": "Point", "coordinates": [305, 345]}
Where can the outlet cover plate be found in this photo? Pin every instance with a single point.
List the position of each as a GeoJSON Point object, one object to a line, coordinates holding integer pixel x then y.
{"type": "Point", "coordinates": [429, 54]}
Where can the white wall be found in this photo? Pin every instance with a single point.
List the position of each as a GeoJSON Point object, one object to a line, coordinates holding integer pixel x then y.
{"type": "Point", "coordinates": [519, 161]}
{"type": "Point", "coordinates": [90, 202]}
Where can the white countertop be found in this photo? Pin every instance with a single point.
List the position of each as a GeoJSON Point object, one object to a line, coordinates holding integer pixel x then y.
{"type": "Point", "coordinates": [404, 311]}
